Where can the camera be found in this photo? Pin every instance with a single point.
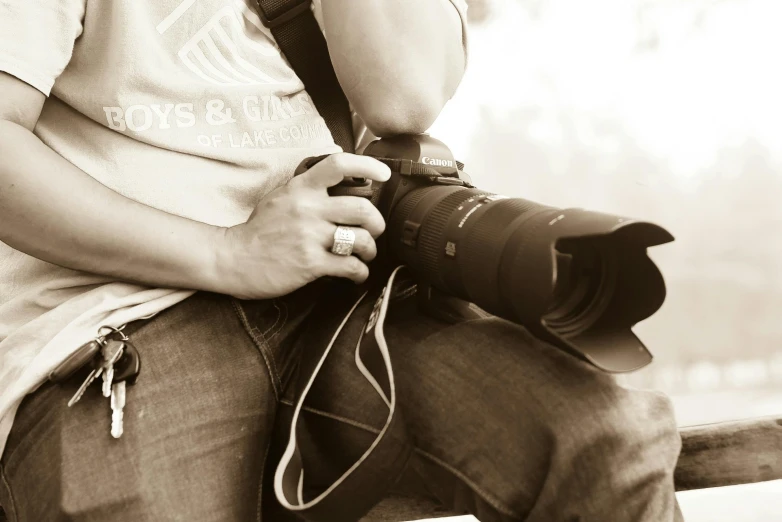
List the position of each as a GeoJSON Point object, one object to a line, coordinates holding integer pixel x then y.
{"type": "Point", "coordinates": [577, 279]}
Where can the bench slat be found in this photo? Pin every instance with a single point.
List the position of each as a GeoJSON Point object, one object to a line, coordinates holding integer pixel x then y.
{"type": "Point", "coordinates": [729, 453]}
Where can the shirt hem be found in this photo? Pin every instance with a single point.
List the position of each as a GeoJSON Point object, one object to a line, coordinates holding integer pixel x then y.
{"type": "Point", "coordinates": [27, 75]}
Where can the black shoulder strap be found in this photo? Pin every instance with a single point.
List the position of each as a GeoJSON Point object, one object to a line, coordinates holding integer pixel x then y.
{"type": "Point", "coordinates": [299, 36]}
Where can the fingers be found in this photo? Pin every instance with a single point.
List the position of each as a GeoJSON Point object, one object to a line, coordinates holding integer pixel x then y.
{"type": "Point", "coordinates": [364, 245]}
{"type": "Point", "coordinates": [349, 267]}
{"type": "Point", "coordinates": [332, 170]}
{"type": "Point", "coordinates": [322, 215]}
{"type": "Point", "coordinates": [354, 211]}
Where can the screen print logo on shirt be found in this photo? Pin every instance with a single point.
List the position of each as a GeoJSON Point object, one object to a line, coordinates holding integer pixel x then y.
{"type": "Point", "coordinates": [217, 52]}
{"type": "Point", "coordinates": [214, 54]}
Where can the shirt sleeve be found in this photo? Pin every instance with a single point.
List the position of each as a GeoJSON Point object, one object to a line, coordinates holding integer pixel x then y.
{"type": "Point", "coordinates": [37, 38]}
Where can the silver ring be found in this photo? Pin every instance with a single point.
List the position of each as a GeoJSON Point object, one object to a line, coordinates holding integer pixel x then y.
{"type": "Point", "coordinates": [344, 239]}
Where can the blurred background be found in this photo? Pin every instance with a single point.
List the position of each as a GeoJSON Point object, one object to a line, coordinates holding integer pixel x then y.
{"type": "Point", "coordinates": [668, 111]}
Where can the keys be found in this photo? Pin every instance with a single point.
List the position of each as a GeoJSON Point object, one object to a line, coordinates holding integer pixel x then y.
{"type": "Point", "coordinates": [116, 360]}
{"type": "Point", "coordinates": [94, 374]}
{"type": "Point", "coordinates": [117, 409]}
{"type": "Point", "coordinates": [111, 352]}
{"type": "Point", "coordinates": [78, 360]}
{"type": "Point", "coordinates": [126, 370]}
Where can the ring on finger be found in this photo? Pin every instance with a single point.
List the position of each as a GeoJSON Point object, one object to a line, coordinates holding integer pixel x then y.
{"type": "Point", "coordinates": [344, 240]}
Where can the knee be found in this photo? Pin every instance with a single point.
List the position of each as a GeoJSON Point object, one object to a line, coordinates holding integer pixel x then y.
{"type": "Point", "coordinates": [646, 421]}
{"type": "Point", "coordinates": [622, 427]}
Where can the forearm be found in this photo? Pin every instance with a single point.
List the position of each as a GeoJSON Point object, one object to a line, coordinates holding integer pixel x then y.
{"type": "Point", "coordinates": [51, 210]}
{"type": "Point", "coordinates": [399, 61]}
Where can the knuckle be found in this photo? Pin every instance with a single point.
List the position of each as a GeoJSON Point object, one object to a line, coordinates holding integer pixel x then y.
{"type": "Point", "coordinates": [340, 161]}
{"type": "Point", "coordinates": [301, 209]}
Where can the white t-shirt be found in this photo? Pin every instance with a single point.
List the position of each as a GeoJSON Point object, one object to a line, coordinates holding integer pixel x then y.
{"type": "Point", "coordinates": [183, 105]}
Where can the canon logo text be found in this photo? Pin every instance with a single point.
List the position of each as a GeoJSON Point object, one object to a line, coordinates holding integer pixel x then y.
{"type": "Point", "coordinates": [436, 162]}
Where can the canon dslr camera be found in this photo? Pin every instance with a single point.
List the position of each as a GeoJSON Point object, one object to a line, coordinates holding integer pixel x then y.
{"type": "Point", "coordinates": [577, 279]}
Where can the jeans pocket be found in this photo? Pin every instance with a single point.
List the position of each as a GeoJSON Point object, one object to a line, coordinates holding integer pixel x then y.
{"type": "Point", "coordinates": [263, 320]}
{"type": "Point", "coordinates": [274, 326]}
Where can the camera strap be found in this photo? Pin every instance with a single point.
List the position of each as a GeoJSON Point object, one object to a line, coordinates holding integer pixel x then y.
{"type": "Point", "coordinates": [301, 41]}
{"type": "Point", "coordinates": [368, 480]}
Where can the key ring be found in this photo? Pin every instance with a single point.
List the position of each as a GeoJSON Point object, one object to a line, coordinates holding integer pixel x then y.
{"type": "Point", "coordinates": [116, 330]}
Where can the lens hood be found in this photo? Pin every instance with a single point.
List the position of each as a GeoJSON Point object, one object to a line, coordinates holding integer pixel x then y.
{"type": "Point", "coordinates": [633, 287]}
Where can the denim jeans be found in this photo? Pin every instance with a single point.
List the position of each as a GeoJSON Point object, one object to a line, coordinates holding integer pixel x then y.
{"type": "Point", "coordinates": [506, 427]}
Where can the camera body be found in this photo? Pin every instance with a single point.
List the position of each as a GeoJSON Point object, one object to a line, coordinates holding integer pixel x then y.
{"type": "Point", "coordinates": [577, 279]}
{"type": "Point", "coordinates": [405, 152]}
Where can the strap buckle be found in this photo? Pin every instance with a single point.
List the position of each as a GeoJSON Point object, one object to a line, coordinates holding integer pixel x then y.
{"type": "Point", "coordinates": [289, 13]}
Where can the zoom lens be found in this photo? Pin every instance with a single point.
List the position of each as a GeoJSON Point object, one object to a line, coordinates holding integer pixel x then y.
{"type": "Point", "coordinates": [576, 278]}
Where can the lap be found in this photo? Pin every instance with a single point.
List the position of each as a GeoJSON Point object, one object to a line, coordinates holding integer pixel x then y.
{"type": "Point", "coordinates": [492, 411]}
{"type": "Point", "coordinates": [486, 404]}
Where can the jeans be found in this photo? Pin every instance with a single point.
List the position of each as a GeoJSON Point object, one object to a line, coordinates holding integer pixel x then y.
{"type": "Point", "coordinates": [506, 427]}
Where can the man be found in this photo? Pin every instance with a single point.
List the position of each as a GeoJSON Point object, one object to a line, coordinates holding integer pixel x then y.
{"type": "Point", "coordinates": [148, 151]}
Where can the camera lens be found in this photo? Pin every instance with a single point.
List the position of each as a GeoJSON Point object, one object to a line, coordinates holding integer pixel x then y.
{"type": "Point", "coordinates": [574, 278]}
{"type": "Point", "coordinates": [585, 279]}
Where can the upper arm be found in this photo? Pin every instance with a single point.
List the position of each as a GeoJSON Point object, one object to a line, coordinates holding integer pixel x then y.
{"type": "Point", "coordinates": [37, 39]}
{"type": "Point", "coordinates": [401, 63]}
{"type": "Point", "coordinates": [20, 102]}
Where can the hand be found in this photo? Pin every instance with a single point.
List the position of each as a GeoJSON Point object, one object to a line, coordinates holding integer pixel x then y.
{"type": "Point", "coordinates": [286, 243]}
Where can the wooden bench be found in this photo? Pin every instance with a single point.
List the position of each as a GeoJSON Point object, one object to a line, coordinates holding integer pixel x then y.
{"type": "Point", "coordinates": [719, 454]}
